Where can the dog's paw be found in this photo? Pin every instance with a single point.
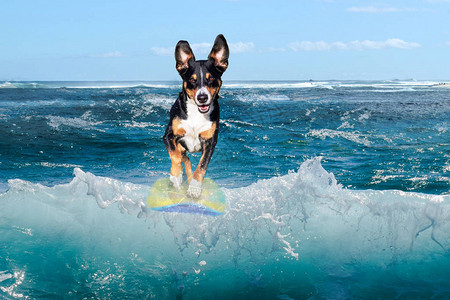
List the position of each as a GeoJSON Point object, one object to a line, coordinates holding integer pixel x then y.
{"type": "Point", "coordinates": [176, 181]}
{"type": "Point", "coordinates": [195, 189]}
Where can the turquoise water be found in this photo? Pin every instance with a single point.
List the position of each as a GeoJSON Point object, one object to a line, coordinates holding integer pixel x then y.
{"type": "Point", "coordinates": [335, 190]}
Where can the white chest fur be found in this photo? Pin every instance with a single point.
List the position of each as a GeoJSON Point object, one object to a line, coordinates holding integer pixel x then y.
{"type": "Point", "coordinates": [195, 123]}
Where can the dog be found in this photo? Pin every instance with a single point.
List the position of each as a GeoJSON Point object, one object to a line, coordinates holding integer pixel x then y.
{"type": "Point", "coordinates": [194, 117]}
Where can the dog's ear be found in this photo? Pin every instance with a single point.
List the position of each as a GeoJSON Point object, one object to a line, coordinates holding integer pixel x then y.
{"type": "Point", "coordinates": [183, 54]}
{"type": "Point", "coordinates": [219, 53]}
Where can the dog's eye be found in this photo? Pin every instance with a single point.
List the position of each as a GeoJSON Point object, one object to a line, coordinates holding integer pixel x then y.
{"type": "Point", "coordinates": [211, 79]}
{"type": "Point", "coordinates": [192, 80]}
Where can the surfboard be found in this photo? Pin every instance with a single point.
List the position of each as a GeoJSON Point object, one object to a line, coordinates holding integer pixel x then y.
{"type": "Point", "coordinates": [164, 197]}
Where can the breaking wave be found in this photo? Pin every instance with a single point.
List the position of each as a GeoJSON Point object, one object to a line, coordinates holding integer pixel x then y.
{"type": "Point", "coordinates": [87, 84]}
{"type": "Point", "coordinates": [299, 235]}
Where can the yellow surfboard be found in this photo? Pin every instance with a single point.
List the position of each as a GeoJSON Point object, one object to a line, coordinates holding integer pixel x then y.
{"type": "Point", "coordinates": [164, 197]}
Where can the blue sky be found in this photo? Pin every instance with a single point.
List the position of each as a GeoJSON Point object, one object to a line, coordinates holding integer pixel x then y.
{"type": "Point", "coordinates": [269, 40]}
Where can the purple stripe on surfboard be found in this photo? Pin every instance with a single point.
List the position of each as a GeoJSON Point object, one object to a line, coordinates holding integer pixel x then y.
{"type": "Point", "coordinates": [188, 208]}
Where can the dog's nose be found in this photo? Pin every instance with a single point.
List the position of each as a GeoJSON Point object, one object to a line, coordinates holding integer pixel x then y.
{"type": "Point", "coordinates": [202, 98]}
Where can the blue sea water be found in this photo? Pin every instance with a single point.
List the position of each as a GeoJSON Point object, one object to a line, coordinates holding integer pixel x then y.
{"type": "Point", "coordinates": [335, 190]}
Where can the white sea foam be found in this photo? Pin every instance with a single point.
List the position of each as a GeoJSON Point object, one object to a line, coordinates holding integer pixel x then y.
{"type": "Point", "coordinates": [19, 277]}
{"type": "Point", "coordinates": [84, 122]}
{"type": "Point", "coordinates": [58, 165]}
{"type": "Point", "coordinates": [4, 276]}
{"type": "Point", "coordinates": [134, 124]}
{"type": "Point", "coordinates": [273, 85]}
{"type": "Point", "coordinates": [379, 177]}
{"type": "Point", "coordinates": [120, 85]}
{"type": "Point", "coordinates": [442, 127]}
{"type": "Point", "coordinates": [150, 100]}
{"type": "Point", "coordinates": [257, 97]}
{"type": "Point", "coordinates": [145, 105]}
{"type": "Point", "coordinates": [330, 133]}
{"type": "Point", "coordinates": [7, 84]}
{"type": "Point", "coordinates": [239, 123]}
{"type": "Point", "coordinates": [25, 85]}
{"type": "Point", "coordinates": [89, 84]}
{"type": "Point", "coordinates": [362, 86]}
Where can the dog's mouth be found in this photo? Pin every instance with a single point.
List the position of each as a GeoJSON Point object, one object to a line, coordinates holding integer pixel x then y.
{"type": "Point", "coordinates": [203, 108]}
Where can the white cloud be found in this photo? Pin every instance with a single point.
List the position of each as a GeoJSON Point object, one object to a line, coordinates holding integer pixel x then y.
{"type": "Point", "coordinates": [397, 43]}
{"type": "Point", "coordinates": [241, 47]}
{"type": "Point", "coordinates": [354, 45]}
{"type": "Point", "coordinates": [204, 48]}
{"type": "Point", "coordinates": [310, 46]}
{"type": "Point", "coordinates": [201, 48]}
{"type": "Point", "coordinates": [373, 9]}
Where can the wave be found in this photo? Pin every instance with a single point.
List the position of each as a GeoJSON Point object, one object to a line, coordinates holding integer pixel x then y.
{"type": "Point", "coordinates": [120, 85]}
{"type": "Point", "coordinates": [24, 85]}
{"type": "Point", "coordinates": [271, 85]}
{"type": "Point", "coordinates": [139, 84]}
{"type": "Point", "coordinates": [351, 136]}
{"type": "Point", "coordinates": [87, 84]}
{"type": "Point", "coordinates": [288, 236]}
{"type": "Point", "coordinates": [256, 97]}
{"type": "Point", "coordinates": [377, 86]}
{"type": "Point", "coordinates": [84, 122]}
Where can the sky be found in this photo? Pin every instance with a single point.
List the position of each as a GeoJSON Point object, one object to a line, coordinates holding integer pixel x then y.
{"type": "Point", "coordinates": [269, 40]}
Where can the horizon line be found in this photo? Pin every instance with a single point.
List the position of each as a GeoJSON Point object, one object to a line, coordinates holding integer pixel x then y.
{"type": "Point", "coordinates": [228, 80]}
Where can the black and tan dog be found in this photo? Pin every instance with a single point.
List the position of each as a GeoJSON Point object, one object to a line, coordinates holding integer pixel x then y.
{"type": "Point", "coordinates": [194, 117]}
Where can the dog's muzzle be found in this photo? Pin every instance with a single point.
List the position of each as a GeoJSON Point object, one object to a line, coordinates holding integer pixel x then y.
{"type": "Point", "coordinates": [203, 100]}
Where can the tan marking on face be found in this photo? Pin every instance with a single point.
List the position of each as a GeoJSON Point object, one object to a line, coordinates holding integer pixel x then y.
{"type": "Point", "coordinates": [208, 75]}
{"type": "Point", "coordinates": [213, 91]}
{"type": "Point", "coordinates": [190, 92]}
{"type": "Point", "coordinates": [176, 127]}
{"type": "Point", "coordinates": [207, 134]}
{"type": "Point", "coordinates": [194, 76]}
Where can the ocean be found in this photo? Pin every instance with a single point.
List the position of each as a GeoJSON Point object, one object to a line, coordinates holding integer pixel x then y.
{"type": "Point", "coordinates": [335, 190]}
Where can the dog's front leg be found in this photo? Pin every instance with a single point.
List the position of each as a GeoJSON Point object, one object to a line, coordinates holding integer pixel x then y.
{"type": "Point", "coordinates": [176, 170]}
{"type": "Point", "coordinates": [209, 140]}
{"type": "Point", "coordinates": [176, 152]}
